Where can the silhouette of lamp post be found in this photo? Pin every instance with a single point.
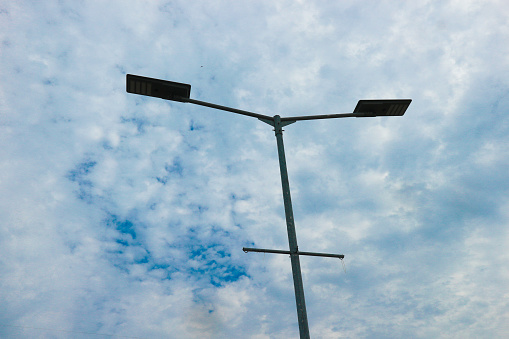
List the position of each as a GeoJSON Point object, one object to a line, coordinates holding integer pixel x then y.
{"type": "Point", "coordinates": [176, 91]}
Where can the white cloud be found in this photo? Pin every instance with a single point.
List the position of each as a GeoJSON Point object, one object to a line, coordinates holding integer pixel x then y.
{"type": "Point", "coordinates": [126, 215]}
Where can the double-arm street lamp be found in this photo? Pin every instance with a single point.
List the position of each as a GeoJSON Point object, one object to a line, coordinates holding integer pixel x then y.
{"type": "Point", "coordinates": [365, 108]}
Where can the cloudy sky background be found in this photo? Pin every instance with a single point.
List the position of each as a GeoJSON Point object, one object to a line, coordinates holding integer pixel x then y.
{"type": "Point", "coordinates": [126, 215]}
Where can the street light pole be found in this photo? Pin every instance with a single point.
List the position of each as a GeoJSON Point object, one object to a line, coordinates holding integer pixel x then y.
{"type": "Point", "coordinates": [365, 108]}
{"type": "Point", "coordinates": [292, 236]}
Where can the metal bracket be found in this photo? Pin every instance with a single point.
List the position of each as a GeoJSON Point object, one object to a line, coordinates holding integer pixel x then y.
{"type": "Point", "coordinates": [286, 122]}
{"type": "Point", "coordinates": [282, 123]}
{"type": "Point", "coordinates": [267, 121]}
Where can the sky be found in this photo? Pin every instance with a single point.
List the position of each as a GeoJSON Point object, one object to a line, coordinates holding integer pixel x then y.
{"type": "Point", "coordinates": [124, 216]}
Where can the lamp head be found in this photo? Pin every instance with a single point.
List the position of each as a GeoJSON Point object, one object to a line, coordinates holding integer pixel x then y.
{"type": "Point", "coordinates": [163, 89]}
{"type": "Point", "coordinates": [377, 108]}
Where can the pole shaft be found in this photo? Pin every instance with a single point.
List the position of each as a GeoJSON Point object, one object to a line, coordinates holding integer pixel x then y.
{"type": "Point", "coordinates": [292, 236]}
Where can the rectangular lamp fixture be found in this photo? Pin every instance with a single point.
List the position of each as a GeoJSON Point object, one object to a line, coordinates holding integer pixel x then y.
{"type": "Point", "coordinates": [376, 108]}
{"type": "Point", "coordinates": [163, 89]}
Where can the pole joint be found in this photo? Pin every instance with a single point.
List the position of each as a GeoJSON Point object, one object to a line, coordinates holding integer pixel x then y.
{"type": "Point", "coordinates": [278, 128]}
{"type": "Point", "coordinates": [278, 124]}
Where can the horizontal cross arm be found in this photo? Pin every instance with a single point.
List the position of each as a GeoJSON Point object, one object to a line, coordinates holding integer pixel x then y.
{"type": "Point", "coordinates": [225, 108]}
{"type": "Point", "coordinates": [326, 116]}
{"type": "Point", "coordinates": [314, 254]}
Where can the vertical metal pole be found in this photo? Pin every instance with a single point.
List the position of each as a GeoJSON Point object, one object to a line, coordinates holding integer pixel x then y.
{"type": "Point", "coordinates": [292, 236]}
